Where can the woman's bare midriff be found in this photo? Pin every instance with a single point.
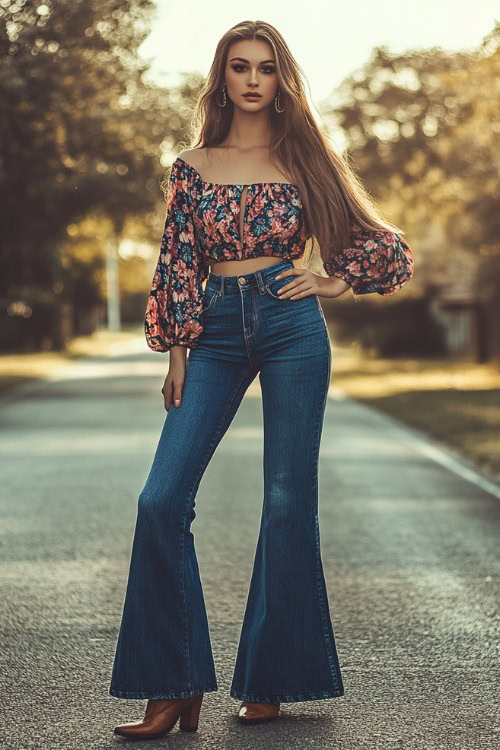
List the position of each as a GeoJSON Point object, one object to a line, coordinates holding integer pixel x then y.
{"type": "Point", "coordinates": [249, 265]}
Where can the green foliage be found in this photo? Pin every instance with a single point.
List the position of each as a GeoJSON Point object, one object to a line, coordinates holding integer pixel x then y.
{"type": "Point", "coordinates": [81, 131]}
{"type": "Point", "coordinates": [423, 128]}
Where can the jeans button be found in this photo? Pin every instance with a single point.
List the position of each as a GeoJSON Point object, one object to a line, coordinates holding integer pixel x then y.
{"type": "Point", "coordinates": [242, 280]}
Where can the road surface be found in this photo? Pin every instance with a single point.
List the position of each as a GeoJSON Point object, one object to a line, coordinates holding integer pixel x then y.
{"type": "Point", "coordinates": [410, 547]}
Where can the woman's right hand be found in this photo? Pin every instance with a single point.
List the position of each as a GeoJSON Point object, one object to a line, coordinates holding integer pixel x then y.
{"type": "Point", "coordinates": [172, 387]}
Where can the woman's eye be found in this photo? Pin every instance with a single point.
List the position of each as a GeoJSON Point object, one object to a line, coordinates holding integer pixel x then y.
{"type": "Point", "coordinates": [266, 69]}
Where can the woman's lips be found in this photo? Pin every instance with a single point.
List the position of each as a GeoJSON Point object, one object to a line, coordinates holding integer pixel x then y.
{"type": "Point", "coordinates": [251, 96]}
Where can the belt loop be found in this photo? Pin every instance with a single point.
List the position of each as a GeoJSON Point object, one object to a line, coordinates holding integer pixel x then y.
{"type": "Point", "coordinates": [260, 281]}
{"type": "Point", "coordinates": [221, 291]}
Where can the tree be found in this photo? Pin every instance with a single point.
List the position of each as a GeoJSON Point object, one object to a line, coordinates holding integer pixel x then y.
{"type": "Point", "coordinates": [81, 132]}
{"type": "Point", "coordinates": [423, 129]}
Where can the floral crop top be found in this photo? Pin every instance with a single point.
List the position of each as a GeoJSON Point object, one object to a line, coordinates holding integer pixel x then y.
{"type": "Point", "coordinates": [210, 222]}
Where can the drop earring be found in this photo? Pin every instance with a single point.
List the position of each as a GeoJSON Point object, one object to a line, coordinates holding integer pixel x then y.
{"type": "Point", "coordinates": [277, 103]}
{"type": "Point", "coordinates": [225, 99]}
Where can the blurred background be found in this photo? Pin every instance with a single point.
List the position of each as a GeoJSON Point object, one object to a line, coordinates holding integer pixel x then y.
{"type": "Point", "coordinates": [95, 98]}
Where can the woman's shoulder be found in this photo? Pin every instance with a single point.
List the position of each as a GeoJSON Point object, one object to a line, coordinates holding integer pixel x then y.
{"type": "Point", "coordinates": [195, 157]}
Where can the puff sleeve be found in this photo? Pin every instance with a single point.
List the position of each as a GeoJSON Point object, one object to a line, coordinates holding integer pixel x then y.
{"type": "Point", "coordinates": [174, 308]}
{"type": "Point", "coordinates": [379, 262]}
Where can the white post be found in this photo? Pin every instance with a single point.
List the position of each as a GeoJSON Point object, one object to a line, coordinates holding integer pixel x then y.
{"type": "Point", "coordinates": [113, 285]}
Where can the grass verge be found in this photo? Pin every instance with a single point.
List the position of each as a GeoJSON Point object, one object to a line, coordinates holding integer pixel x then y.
{"type": "Point", "coordinates": [456, 402]}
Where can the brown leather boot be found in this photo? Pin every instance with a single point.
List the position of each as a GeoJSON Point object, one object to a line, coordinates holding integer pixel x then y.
{"type": "Point", "coordinates": [161, 716]}
{"type": "Point", "coordinates": [253, 713]}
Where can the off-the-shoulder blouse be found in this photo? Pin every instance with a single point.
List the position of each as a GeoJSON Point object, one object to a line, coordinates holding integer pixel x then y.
{"type": "Point", "coordinates": [210, 222]}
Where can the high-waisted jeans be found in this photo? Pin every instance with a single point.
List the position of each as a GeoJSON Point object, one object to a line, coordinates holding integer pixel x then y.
{"type": "Point", "coordinates": [287, 649]}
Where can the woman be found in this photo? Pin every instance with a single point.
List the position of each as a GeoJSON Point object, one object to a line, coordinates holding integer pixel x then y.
{"type": "Point", "coordinates": [259, 182]}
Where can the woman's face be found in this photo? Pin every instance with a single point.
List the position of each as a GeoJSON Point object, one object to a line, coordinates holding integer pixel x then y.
{"type": "Point", "coordinates": [250, 67]}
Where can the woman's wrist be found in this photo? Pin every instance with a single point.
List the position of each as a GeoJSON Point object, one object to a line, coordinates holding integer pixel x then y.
{"type": "Point", "coordinates": [178, 353]}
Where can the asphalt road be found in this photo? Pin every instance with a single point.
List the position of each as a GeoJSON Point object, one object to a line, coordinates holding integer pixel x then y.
{"type": "Point", "coordinates": [410, 547]}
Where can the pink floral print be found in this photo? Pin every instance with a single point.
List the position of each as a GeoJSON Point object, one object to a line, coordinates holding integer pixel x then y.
{"type": "Point", "coordinates": [202, 227]}
{"type": "Point", "coordinates": [379, 262]}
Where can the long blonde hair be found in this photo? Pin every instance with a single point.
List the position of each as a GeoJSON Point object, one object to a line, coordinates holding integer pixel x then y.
{"type": "Point", "coordinates": [332, 193]}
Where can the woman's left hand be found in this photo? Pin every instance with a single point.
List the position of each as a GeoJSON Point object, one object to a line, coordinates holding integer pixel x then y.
{"type": "Point", "coordinates": [305, 283]}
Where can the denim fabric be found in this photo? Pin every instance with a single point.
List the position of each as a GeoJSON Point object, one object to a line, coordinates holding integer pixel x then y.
{"type": "Point", "coordinates": [287, 649]}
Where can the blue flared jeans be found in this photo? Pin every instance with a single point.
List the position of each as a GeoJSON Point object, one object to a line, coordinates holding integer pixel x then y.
{"type": "Point", "coordinates": [287, 649]}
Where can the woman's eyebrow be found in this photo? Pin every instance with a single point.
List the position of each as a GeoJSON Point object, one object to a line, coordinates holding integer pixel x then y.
{"type": "Point", "coordinates": [247, 61]}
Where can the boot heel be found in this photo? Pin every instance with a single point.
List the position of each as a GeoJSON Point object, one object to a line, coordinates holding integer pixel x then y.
{"type": "Point", "coordinates": [189, 717]}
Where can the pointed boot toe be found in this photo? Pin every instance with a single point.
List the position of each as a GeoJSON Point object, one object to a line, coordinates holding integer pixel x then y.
{"type": "Point", "coordinates": [254, 713]}
{"type": "Point", "coordinates": [161, 716]}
